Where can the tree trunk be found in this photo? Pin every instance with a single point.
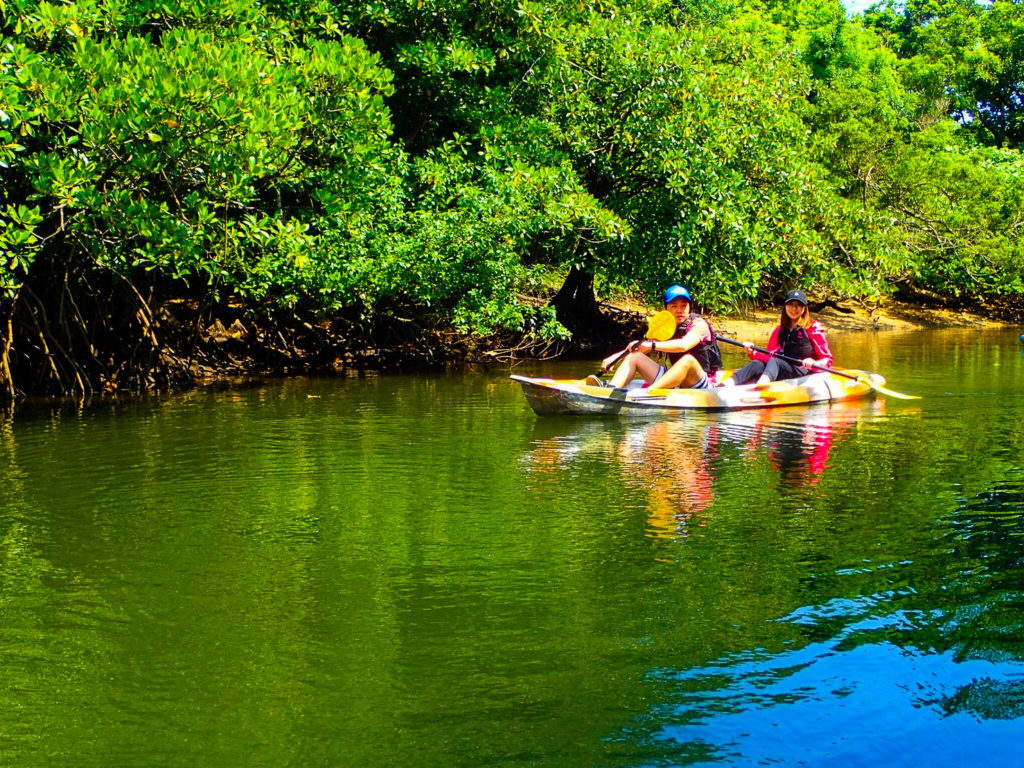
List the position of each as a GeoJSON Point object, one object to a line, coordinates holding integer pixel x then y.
{"type": "Point", "coordinates": [6, 381]}
{"type": "Point", "coordinates": [577, 309]}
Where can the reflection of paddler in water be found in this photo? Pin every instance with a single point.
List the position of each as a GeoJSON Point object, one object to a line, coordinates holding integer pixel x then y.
{"type": "Point", "coordinates": [671, 460]}
{"type": "Point", "coordinates": [676, 471]}
{"type": "Point", "coordinates": [800, 440]}
{"type": "Point", "coordinates": [801, 455]}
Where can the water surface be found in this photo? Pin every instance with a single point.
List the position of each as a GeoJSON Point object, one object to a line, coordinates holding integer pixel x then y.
{"type": "Point", "coordinates": [418, 571]}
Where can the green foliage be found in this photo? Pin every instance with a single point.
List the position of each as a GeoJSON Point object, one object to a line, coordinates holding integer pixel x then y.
{"type": "Point", "coordinates": [910, 146]}
{"type": "Point", "coordinates": [964, 208]}
{"type": "Point", "coordinates": [693, 137]}
{"type": "Point", "coordinates": [965, 58]}
{"type": "Point", "coordinates": [996, 88]}
{"type": "Point", "coordinates": [457, 247]}
{"type": "Point", "coordinates": [204, 157]}
{"type": "Point", "coordinates": [439, 157]}
{"type": "Point", "coordinates": [18, 222]}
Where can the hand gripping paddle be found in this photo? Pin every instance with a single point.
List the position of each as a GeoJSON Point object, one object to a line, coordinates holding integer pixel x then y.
{"type": "Point", "coordinates": [660, 327]}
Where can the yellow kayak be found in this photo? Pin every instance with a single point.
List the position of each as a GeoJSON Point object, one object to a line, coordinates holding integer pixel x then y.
{"type": "Point", "coordinates": [551, 397]}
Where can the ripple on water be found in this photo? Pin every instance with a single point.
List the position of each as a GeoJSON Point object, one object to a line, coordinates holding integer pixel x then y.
{"type": "Point", "coordinates": [853, 699]}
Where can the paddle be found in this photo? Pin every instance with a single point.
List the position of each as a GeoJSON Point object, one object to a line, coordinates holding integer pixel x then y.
{"type": "Point", "coordinates": [660, 327]}
{"type": "Point", "coordinates": [863, 379]}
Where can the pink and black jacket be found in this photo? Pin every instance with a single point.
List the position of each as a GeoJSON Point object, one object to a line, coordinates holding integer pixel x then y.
{"type": "Point", "coordinates": [798, 343]}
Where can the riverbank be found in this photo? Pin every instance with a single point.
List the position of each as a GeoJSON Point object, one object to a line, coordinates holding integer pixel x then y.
{"type": "Point", "coordinates": [230, 343]}
{"type": "Point", "coordinates": [230, 347]}
{"type": "Point", "coordinates": [890, 316]}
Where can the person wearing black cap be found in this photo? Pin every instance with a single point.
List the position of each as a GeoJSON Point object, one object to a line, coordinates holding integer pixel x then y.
{"type": "Point", "coordinates": [796, 336]}
{"type": "Point", "coordinates": [693, 353]}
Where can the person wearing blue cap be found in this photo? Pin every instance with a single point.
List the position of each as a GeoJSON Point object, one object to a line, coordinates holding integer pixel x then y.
{"type": "Point", "coordinates": [692, 353]}
{"type": "Point", "coordinates": [796, 336]}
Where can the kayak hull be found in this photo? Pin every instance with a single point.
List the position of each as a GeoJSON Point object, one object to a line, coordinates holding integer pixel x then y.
{"type": "Point", "coordinates": [555, 397]}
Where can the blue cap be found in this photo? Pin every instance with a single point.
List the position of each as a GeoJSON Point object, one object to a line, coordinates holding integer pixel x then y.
{"type": "Point", "coordinates": [676, 292]}
{"type": "Point", "coordinates": [796, 296]}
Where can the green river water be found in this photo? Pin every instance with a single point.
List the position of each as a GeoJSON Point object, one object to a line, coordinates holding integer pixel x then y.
{"type": "Point", "coordinates": [417, 571]}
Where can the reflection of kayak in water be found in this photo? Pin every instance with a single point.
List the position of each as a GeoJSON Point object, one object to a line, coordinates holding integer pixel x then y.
{"type": "Point", "coordinates": [549, 397]}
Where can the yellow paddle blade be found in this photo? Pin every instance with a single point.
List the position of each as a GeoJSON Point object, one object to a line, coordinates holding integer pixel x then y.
{"type": "Point", "coordinates": [884, 391]}
{"type": "Point", "coordinates": [662, 326]}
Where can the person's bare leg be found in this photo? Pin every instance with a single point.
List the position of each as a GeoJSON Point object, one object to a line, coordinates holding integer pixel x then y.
{"type": "Point", "coordinates": [685, 373]}
{"type": "Point", "coordinates": [635, 363]}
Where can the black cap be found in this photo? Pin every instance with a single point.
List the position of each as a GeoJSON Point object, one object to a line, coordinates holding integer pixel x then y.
{"type": "Point", "coordinates": [796, 296]}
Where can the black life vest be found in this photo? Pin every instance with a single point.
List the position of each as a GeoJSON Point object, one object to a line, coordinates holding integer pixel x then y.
{"type": "Point", "coordinates": [794, 342]}
{"type": "Point", "coordinates": [706, 353]}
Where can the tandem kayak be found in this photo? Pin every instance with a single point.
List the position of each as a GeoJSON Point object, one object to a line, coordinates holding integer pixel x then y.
{"type": "Point", "coordinates": [552, 397]}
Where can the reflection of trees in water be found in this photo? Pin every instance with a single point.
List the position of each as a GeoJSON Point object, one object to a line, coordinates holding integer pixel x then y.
{"type": "Point", "coordinates": [914, 614]}
{"type": "Point", "coordinates": [963, 598]}
{"type": "Point", "coordinates": [984, 576]}
{"type": "Point", "coordinates": [988, 699]}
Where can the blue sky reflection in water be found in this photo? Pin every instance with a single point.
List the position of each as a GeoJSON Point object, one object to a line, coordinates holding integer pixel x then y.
{"type": "Point", "coordinates": [873, 704]}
